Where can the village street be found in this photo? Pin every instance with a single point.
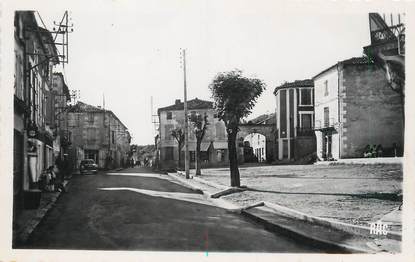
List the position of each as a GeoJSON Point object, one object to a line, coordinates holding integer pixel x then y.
{"type": "Point", "coordinates": [135, 209]}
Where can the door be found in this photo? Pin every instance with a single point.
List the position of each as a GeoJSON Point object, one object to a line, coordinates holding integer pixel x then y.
{"type": "Point", "coordinates": [327, 142]}
{"type": "Point", "coordinates": [324, 147]}
{"type": "Point", "coordinates": [329, 139]}
{"type": "Point", "coordinates": [285, 149]}
{"type": "Point", "coordinates": [18, 156]}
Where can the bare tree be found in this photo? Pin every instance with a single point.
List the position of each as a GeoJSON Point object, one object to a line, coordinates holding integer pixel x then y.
{"type": "Point", "coordinates": [199, 128]}
{"type": "Point", "coordinates": [178, 134]}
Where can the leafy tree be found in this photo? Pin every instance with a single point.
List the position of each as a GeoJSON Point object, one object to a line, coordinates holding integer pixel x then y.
{"type": "Point", "coordinates": [234, 96]}
{"type": "Point", "coordinates": [178, 134]}
{"type": "Point", "coordinates": [200, 124]}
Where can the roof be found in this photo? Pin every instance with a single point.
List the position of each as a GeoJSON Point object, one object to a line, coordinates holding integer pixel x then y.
{"type": "Point", "coordinates": [204, 146]}
{"type": "Point", "coordinates": [191, 105]}
{"type": "Point", "coordinates": [296, 83]}
{"type": "Point", "coordinates": [264, 119]}
{"type": "Point", "coordinates": [81, 107]}
{"type": "Point", "coordinates": [363, 60]}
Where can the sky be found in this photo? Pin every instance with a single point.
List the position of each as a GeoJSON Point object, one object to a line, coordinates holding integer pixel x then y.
{"type": "Point", "coordinates": [130, 51]}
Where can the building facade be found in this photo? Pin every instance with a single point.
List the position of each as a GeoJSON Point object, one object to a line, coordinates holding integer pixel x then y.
{"type": "Point", "coordinates": [35, 58]}
{"type": "Point", "coordinates": [97, 134]}
{"type": "Point", "coordinates": [295, 120]}
{"type": "Point", "coordinates": [355, 108]}
{"type": "Point", "coordinates": [214, 146]}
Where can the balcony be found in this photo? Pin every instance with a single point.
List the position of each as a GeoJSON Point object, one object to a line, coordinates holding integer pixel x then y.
{"type": "Point", "coordinates": [326, 124]}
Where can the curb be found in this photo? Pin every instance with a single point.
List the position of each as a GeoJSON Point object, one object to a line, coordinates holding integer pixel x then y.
{"type": "Point", "coordinates": [209, 183]}
{"type": "Point", "coordinates": [184, 182]}
{"type": "Point", "coordinates": [350, 228]}
{"type": "Point", "coordinates": [313, 241]}
{"type": "Point", "coordinates": [217, 201]}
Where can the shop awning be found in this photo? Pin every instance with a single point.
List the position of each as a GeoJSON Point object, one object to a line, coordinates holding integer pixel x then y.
{"type": "Point", "coordinates": [204, 146]}
{"type": "Point", "coordinates": [220, 145]}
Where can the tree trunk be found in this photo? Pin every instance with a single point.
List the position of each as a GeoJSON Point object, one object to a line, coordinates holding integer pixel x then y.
{"type": "Point", "coordinates": [233, 159]}
{"type": "Point", "coordinates": [197, 158]}
{"type": "Point", "coordinates": [180, 162]}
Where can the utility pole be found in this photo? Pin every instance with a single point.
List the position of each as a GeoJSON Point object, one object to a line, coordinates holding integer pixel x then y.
{"type": "Point", "coordinates": [186, 123]}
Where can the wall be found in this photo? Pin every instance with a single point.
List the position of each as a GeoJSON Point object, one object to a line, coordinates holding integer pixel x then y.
{"type": "Point", "coordinates": [332, 102]}
{"type": "Point", "coordinates": [304, 146]}
{"type": "Point", "coordinates": [372, 112]}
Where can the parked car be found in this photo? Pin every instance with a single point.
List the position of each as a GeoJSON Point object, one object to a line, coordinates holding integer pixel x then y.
{"type": "Point", "coordinates": [88, 166]}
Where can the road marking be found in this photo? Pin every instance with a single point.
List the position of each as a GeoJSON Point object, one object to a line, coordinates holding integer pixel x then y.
{"type": "Point", "coordinates": [188, 197]}
{"type": "Point", "coordinates": [135, 174]}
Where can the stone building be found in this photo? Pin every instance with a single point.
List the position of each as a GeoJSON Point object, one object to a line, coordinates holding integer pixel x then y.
{"type": "Point", "coordinates": [214, 147]}
{"type": "Point", "coordinates": [97, 134]}
{"type": "Point", "coordinates": [354, 108]}
{"type": "Point", "coordinates": [295, 120]}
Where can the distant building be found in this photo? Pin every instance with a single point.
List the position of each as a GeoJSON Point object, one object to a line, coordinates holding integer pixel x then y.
{"type": "Point", "coordinates": [214, 146]}
{"type": "Point", "coordinates": [354, 108]}
{"type": "Point", "coordinates": [96, 134]}
{"type": "Point", "coordinates": [295, 120]}
{"type": "Point", "coordinates": [258, 144]}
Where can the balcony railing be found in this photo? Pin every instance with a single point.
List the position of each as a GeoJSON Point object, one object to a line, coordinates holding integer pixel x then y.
{"type": "Point", "coordinates": [325, 124]}
{"type": "Point", "coordinates": [387, 34]}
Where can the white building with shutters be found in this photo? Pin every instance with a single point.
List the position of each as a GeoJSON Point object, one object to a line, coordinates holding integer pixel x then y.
{"type": "Point", "coordinates": [214, 146]}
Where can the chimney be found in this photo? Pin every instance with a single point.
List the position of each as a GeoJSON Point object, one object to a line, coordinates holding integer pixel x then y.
{"type": "Point", "coordinates": [177, 102]}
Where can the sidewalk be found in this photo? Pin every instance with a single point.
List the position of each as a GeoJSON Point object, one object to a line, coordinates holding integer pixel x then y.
{"type": "Point", "coordinates": [355, 194]}
{"type": "Point", "coordinates": [340, 199]}
{"type": "Point", "coordinates": [29, 219]}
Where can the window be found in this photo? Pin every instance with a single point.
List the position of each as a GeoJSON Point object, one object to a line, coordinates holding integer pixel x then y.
{"type": "Point", "coordinates": [326, 88]}
{"type": "Point", "coordinates": [113, 136]}
{"type": "Point", "coordinates": [220, 154]}
{"type": "Point", "coordinates": [192, 156]}
{"type": "Point", "coordinates": [220, 131]}
{"type": "Point", "coordinates": [167, 132]}
{"type": "Point", "coordinates": [306, 121]}
{"type": "Point", "coordinates": [169, 153]}
{"type": "Point", "coordinates": [92, 135]}
{"type": "Point", "coordinates": [204, 156]}
{"type": "Point", "coordinates": [169, 115]}
{"type": "Point", "coordinates": [306, 97]}
{"type": "Point", "coordinates": [91, 118]}
{"type": "Point", "coordinates": [326, 117]}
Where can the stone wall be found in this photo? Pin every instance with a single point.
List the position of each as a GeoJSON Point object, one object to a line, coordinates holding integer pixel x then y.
{"type": "Point", "coordinates": [371, 113]}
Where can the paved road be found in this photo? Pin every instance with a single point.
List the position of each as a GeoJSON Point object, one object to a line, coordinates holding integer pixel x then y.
{"type": "Point", "coordinates": [135, 209]}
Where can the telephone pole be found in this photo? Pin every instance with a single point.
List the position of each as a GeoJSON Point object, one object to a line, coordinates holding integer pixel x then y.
{"type": "Point", "coordinates": [186, 124]}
